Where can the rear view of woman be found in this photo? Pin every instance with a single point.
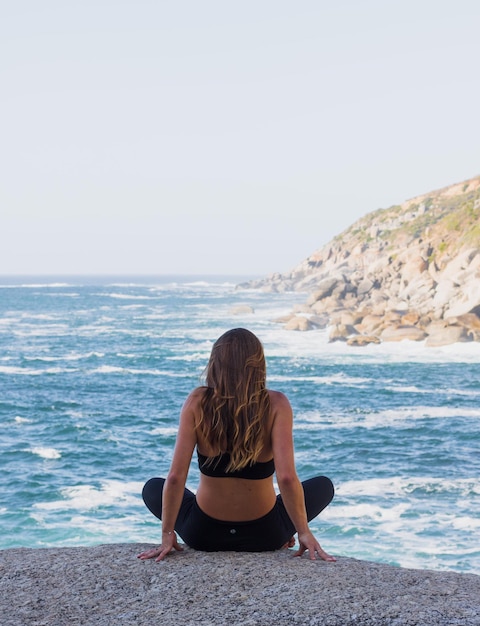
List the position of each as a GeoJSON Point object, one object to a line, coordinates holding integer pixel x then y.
{"type": "Point", "coordinates": [243, 435]}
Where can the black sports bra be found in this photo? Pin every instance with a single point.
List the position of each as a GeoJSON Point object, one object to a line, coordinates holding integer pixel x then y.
{"type": "Point", "coordinates": [217, 468]}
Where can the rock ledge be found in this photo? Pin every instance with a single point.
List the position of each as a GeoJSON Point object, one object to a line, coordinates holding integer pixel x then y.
{"type": "Point", "coordinates": [107, 585]}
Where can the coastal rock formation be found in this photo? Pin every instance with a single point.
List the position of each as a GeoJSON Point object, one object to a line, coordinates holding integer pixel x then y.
{"type": "Point", "coordinates": [107, 585]}
{"type": "Point", "coordinates": [408, 272]}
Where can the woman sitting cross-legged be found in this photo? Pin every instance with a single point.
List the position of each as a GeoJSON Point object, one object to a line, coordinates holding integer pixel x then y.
{"type": "Point", "coordinates": [243, 435]}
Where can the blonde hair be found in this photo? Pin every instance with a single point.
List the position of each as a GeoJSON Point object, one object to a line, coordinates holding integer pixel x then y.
{"type": "Point", "coordinates": [236, 404]}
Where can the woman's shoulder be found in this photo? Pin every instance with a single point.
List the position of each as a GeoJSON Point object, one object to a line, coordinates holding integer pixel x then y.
{"type": "Point", "coordinates": [278, 400]}
{"type": "Point", "coordinates": [198, 391]}
{"type": "Point", "coordinates": [194, 398]}
{"type": "Point", "coordinates": [197, 394]}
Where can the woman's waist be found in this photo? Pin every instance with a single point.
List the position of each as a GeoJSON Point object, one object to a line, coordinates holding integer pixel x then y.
{"type": "Point", "coordinates": [235, 499]}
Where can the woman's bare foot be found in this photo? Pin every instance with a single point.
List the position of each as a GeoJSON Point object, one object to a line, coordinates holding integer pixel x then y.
{"type": "Point", "coordinates": [290, 543]}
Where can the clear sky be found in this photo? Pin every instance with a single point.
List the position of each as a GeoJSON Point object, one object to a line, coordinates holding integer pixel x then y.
{"type": "Point", "coordinates": [222, 136]}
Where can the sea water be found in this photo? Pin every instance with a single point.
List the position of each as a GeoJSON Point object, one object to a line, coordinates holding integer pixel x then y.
{"type": "Point", "coordinates": [94, 372]}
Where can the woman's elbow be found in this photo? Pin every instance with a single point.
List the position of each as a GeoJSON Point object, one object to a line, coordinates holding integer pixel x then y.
{"type": "Point", "coordinates": [287, 480]}
{"type": "Point", "coordinates": [176, 478]}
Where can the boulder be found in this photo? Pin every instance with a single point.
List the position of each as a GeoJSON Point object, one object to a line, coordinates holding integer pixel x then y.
{"type": "Point", "coordinates": [284, 319]}
{"type": "Point", "coordinates": [362, 340]}
{"type": "Point", "coordinates": [461, 262]}
{"type": "Point", "coordinates": [324, 289]}
{"type": "Point", "coordinates": [411, 318]}
{"type": "Point", "coordinates": [349, 318]}
{"type": "Point", "coordinates": [242, 309]}
{"type": "Point", "coordinates": [422, 287]}
{"type": "Point", "coordinates": [369, 324]}
{"type": "Point", "coordinates": [446, 334]}
{"type": "Point", "coordinates": [320, 321]}
{"type": "Point", "coordinates": [469, 320]}
{"type": "Point", "coordinates": [445, 292]}
{"type": "Point", "coordinates": [466, 298]}
{"type": "Point", "coordinates": [401, 333]}
{"type": "Point", "coordinates": [299, 323]}
{"type": "Point", "coordinates": [364, 286]}
{"type": "Point", "coordinates": [413, 268]}
{"type": "Point", "coordinates": [341, 332]}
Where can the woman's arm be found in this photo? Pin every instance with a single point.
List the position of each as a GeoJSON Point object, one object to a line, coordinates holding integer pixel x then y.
{"type": "Point", "coordinates": [287, 479]}
{"type": "Point", "coordinates": [174, 486]}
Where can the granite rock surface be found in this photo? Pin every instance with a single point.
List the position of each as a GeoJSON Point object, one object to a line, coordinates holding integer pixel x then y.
{"type": "Point", "coordinates": [107, 585]}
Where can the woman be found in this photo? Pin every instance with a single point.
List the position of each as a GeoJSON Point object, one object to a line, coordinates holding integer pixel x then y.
{"type": "Point", "coordinates": [243, 434]}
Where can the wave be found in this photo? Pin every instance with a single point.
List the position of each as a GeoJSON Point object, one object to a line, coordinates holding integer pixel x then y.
{"type": "Point", "coordinates": [86, 497]}
{"type": "Point", "coordinates": [125, 296]}
{"type": "Point", "coordinates": [334, 379]}
{"type": "Point", "coordinates": [22, 420]}
{"type": "Point", "coordinates": [194, 356]}
{"type": "Point", "coordinates": [434, 390]}
{"type": "Point", "coordinates": [28, 371]}
{"type": "Point", "coordinates": [68, 357]}
{"type": "Point", "coordinates": [34, 285]}
{"type": "Point", "coordinates": [401, 487]}
{"type": "Point", "coordinates": [316, 420]}
{"type": "Point", "coordinates": [45, 453]}
{"type": "Point", "coordinates": [114, 369]}
{"type": "Point", "coordinates": [164, 431]}
{"type": "Point", "coordinates": [12, 370]}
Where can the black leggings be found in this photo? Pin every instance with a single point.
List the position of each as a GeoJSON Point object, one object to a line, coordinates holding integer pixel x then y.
{"type": "Point", "coordinates": [270, 532]}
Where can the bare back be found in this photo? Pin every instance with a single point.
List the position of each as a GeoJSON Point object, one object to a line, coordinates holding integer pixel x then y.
{"type": "Point", "coordinates": [237, 499]}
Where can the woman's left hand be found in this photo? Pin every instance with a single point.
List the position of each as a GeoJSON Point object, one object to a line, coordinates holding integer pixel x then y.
{"type": "Point", "coordinates": [308, 542]}
{"type": "Point", "coordinates": [169, 543]}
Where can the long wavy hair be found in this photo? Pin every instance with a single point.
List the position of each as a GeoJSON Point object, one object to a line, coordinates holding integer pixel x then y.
{"type": "Point", "coordinates": [236, 404]}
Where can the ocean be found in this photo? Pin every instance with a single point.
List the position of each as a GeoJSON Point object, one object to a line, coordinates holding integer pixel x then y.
{"type": "Point", "coordinates": [94, 371]}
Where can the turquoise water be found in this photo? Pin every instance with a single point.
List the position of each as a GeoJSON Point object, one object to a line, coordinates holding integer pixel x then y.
{"type": "Point", "coordinates": [93, 373]}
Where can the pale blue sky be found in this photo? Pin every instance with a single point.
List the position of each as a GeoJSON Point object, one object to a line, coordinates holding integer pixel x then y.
{"type": "Point", "coordinates": [214, 136]}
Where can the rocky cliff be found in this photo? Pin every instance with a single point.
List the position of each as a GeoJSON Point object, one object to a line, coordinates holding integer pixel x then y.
{"type": "Point", "coordinates": [408, 272]}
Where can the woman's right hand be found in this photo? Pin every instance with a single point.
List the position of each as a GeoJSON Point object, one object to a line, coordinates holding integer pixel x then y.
{"type": "Point", "coordinates": [169, 543]}
{"type": "Point", "coordinates": [308, 543]}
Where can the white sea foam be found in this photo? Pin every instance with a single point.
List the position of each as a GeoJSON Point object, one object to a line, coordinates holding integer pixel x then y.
{"type": "Point", "coordinates": [22, 420]}
{"type": "Point", "coordinates": [401, 487]}
{"type": "Point", "coordinates": [405, 527]}
{"type": "Point", "coordinates": [85, 497]}
{"type": "Point", "coordinates": [398, 417]}
{"type": "Point", "coordinates": [126, 296]}
{"type": "Point", "coordinates": [335, 379]}
{"type": "Point", "coordinates": [164, 431]}
{"type": "Point", "coordinates": [466, 523]}
{"type": "Point", "coordinates": [108, 369]}
{"type": "Point", "coordinates": [67, 357]}
{"type": "Point", "coordinates": [32, 330]}
{"type": "Point", "coordinates": [113, 369]}
{"type": "Point", "coordinates": [89, 330]}
{"type": "Point", "coordinates": [28, 371]}
{"type": "Point", "coordinates": [349, 514]}
{"type": "Point", "coordinates": [279, 342]}
{"type": "Point", "coordinates": [194, 356]}
{"type": "Point", "coordinates": [45, 453]}
{"type": "Point", "coordinates": [34, 285]}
